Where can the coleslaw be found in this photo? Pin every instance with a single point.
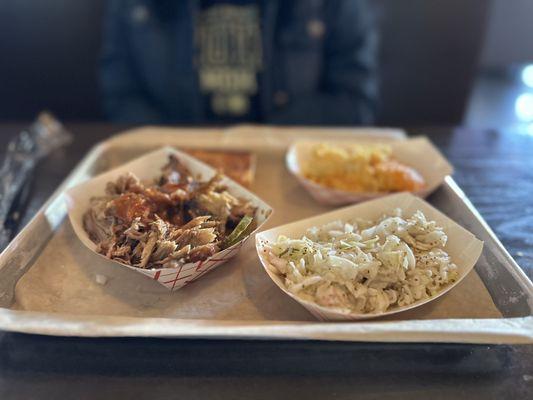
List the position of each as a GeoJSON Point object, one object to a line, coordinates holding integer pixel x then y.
{"type": "Point", "coordinates": [365, 266]}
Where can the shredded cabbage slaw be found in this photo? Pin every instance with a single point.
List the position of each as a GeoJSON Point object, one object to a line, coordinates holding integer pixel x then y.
{"type": "Point", "coordinates": [363, 266]}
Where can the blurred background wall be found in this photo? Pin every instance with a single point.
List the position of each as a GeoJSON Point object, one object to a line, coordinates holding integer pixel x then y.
{"type": "Point", "coordinates": [509, 34]}
{"type": "Point", "coordinates": [429, 56]}
{"type": "Point", "coordinates": [49, 51]}
{"type": "Point", "coordinates": [502, 95]}
{"type": "Point", "coordinates": [431, 52]}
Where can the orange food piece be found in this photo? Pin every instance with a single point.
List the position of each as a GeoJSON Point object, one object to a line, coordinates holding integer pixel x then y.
{"type": "Point", "coordinates": [129, 206]}
{"type": "Point", "coordinates": [397, 177]}
{"type": "Point", "coordinates": [238, 165]}
{"type": "Point", "coordinates": [158, 197]}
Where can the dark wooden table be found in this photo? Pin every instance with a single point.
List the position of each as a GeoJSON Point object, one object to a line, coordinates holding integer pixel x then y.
{"type": "Point", "coordinates": [494, 168]}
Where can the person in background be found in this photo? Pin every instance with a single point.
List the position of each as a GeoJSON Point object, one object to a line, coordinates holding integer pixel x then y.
{"type": "Point", "coordinates": [229, 61]}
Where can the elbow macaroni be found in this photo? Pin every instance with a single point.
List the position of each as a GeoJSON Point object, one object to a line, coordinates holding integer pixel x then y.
{"type": "Point", "coordinates": [366, 267]}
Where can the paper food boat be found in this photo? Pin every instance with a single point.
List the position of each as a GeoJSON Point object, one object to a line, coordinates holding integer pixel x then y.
{"type": "Point", "coordinates": [418, 153]}
{"type": "Point", "coordinates": [463, 247]}
{"type": "Point", "coordinates": [148, 167]}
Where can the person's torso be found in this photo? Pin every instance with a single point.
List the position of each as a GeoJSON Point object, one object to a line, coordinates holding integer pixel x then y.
{"type": "Point", "coordinates": [209, 61]}
{"type": "Point", "coordinates": [229, 54]}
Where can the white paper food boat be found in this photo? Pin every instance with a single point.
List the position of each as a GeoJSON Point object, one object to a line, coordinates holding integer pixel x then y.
{"type": "Point", "coordinates": [463, 247]}
{"type": "Point", "coordinates": [149, 167]}
{"type": "Point", "coordinates": [418, 153]}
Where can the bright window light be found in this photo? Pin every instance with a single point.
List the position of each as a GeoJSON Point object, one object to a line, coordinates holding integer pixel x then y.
{"type": "Point", "coordinates": [524, 107]}
{"type": "Point", "coordinates": [527, 75]}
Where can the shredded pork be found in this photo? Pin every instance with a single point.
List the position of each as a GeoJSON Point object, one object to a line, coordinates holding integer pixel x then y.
{"type": "Point", "coordinates": [164, 224]}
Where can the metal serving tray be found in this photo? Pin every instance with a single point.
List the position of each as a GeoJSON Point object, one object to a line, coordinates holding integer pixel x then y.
{"type": "Point", "coordinates": [501, 280]}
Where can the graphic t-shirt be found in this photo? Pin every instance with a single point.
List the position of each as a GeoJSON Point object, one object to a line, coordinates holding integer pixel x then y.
{"type": "Point", "coordinates": [230, 59]}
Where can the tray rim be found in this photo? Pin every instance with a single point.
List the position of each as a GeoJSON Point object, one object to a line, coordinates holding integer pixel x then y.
{"type": "Point", "coordinates": [488, 330]}
{"type": "Point", "coordinates": [484, 331]}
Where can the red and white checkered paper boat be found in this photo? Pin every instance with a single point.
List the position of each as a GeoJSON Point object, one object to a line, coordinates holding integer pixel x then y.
{"type": "Point", "coordinates": [148, 167]}
{"type": "Point", "coordinates": [418, 153]}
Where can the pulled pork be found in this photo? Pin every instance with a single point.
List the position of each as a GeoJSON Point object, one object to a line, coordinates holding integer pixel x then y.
{"type": "Point", "coordinates": [175, 220]}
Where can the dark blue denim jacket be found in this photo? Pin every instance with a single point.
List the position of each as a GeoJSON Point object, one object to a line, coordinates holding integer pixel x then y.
{"type": "Point", "coordinates": [319, 62]}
